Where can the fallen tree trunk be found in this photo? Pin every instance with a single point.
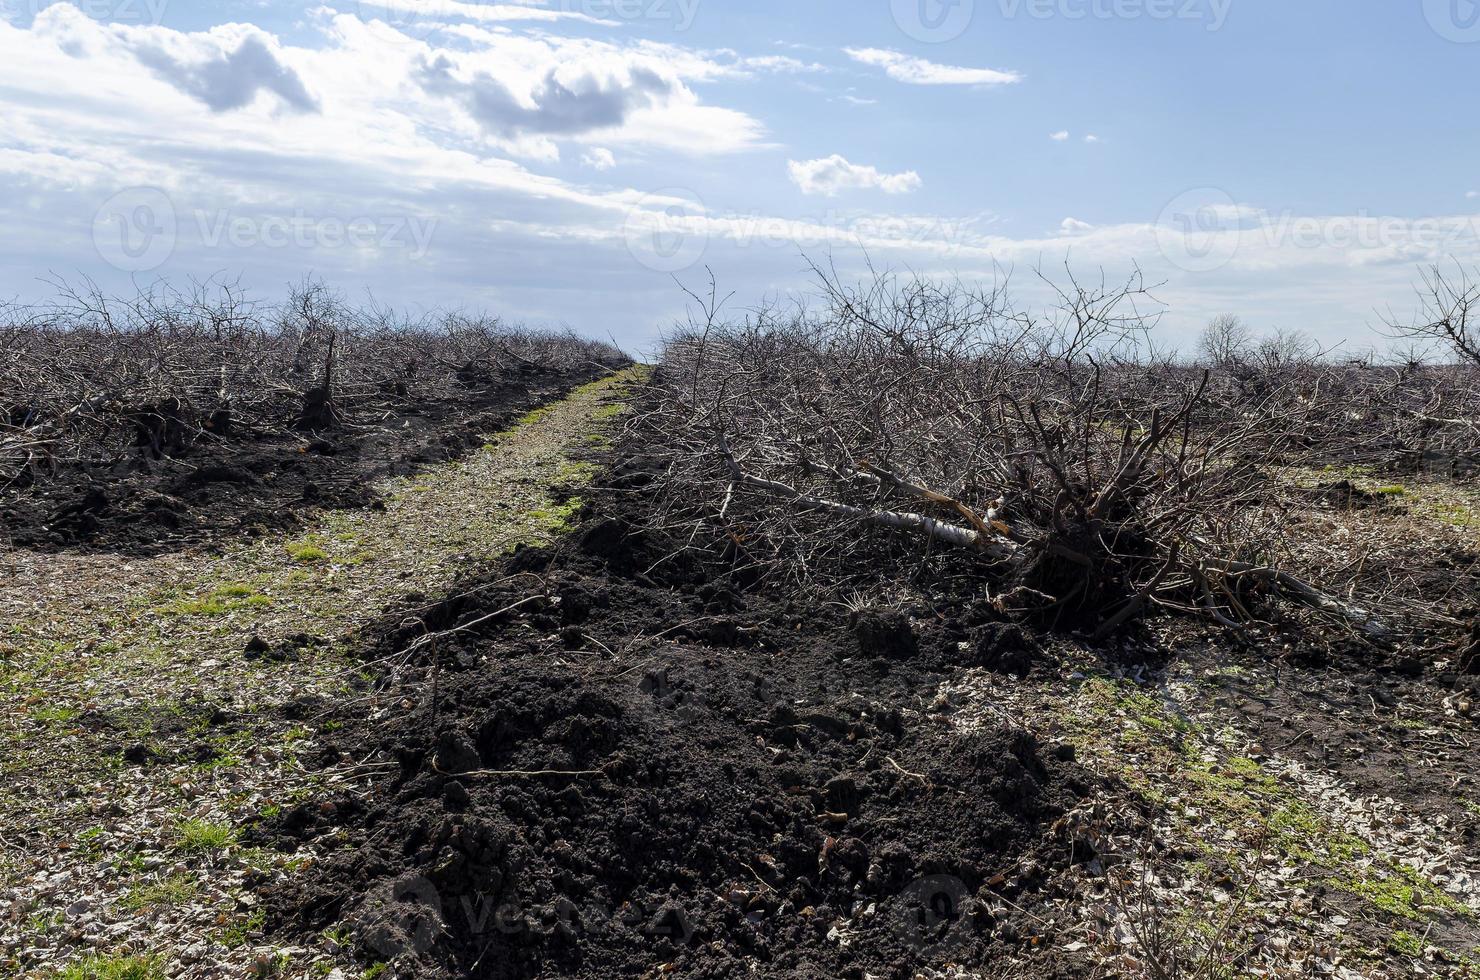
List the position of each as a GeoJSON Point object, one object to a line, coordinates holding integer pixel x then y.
{"type": "Point", "coordinates": [983, 541]}
{"type": "Point", "coordinates": [987, 537]}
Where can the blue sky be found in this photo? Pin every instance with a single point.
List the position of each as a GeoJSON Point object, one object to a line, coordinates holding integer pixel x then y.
{"type": "Point", "coordinates": [565, 162]}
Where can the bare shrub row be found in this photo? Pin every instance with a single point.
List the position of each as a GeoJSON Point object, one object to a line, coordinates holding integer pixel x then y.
{"type": "Point", "coordinates": [1055, 457]}
{"type": "Point", "coordinates": [87, 379]}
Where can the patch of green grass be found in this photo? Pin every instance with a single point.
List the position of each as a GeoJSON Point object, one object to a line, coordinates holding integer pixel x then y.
{"type": "Point", "coordinates": [607, 412]}
{"type": "Point", "coordinates": [244, 929]}
{"type": "Point", "coordinates": [558, 518]}
{"type": "Point", "coordinates": [40, 923]}
{"type": "Point", "coordinates": [1392, 896]}
{"type": "Point", "coordinates": [99, 967]}
{"type": "Point", "coordinates": [54, 714]}
{"type": "Point", "coordinates": [172, 891]}
{"type": "Point", "coordinates": [1406, 943]}
{"type": "Point", "coordinates": [223, 760]}
{"type": "Point", "coordinates": [1236, 791]}
{"type": "Point", "coordinates": [203, 836]}
{"type": "Point", "coordinates": [305, 552]}
{"type": "Point", "coordinates": [530, 418]}
{"type": "Point", "coordinates": [338, 937]}
{"type": "Point", "coordinates": [1457, 515]}
{"type": "Point", "coordinates": [575, 472]}
{"type": "Point", "coordinates": [90, 843]}
{"type": "Point", "coordinates": [220, 601]}
{"type": "Point", "coordinates": [375, 971]}
{"type": "Point", "coordinates": [1392, 490]}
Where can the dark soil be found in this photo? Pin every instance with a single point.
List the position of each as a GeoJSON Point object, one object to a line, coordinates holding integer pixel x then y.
{"type": "Point", "coordinates": [214, 488]}
{"type": "Point", "coordinates": [648, 768]}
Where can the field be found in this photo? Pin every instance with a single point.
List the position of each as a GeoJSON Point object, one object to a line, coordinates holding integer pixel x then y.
{"type": "Point", "coordinates": [906, 633]}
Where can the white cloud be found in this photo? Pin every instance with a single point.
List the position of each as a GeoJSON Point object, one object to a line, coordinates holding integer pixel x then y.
{"type": "Point", "coordinates": [85, 117]}
{"type": "Point", "coordinates": [556, 104]}
{"type": "Point", "coordinates": [226, 68]}
{"type": "Point", "coordinates": [833, 174]}
{"type": "Point", "coordinates": [423, 16]}
{"type": "Point", "coordinates": [1472, 194]}
{"type": "Point", "coordinates": [523, 93]}
{"type": "Point", "coordinates": [1060, 136]}
{"type": "Point", "coordinates": [599, 158]}
{"type": "Point", "coordinates": [781, 64]}
{"type": "Point", "coordinates": [1091, 138]}
{"type": "Point", "coordinates": [918, 71]}
{"type": "Point", "coordinates": [226, 79]}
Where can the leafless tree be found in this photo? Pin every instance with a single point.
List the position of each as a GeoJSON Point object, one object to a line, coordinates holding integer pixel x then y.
{"type": "Point", "coordinates": [1448, 302]}
{"type": "Point", "coordinates": [1225, 341]}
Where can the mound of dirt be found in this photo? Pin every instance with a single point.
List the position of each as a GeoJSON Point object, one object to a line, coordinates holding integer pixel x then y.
{"type": "Point", "coordinates": [233, 482]}
{"type": "Point", "coordinates": [645, 768]}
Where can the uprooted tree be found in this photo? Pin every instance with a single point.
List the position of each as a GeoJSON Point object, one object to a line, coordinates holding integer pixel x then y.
{"type": "Point", "coordinates": [1081, 476]}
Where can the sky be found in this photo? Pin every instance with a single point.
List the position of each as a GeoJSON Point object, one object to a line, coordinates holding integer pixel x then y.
{"type": "Point", "coordinates": [582, 163]}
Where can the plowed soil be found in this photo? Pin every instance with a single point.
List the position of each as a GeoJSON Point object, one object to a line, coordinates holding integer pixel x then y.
{"type": "Point", "coordinates": [619, 763]}
{"type": "Point", "coordinates": [251, 482]}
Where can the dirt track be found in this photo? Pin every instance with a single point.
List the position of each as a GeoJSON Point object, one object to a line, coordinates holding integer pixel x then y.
{"type": "Point", "coordinates": [153, 706]}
